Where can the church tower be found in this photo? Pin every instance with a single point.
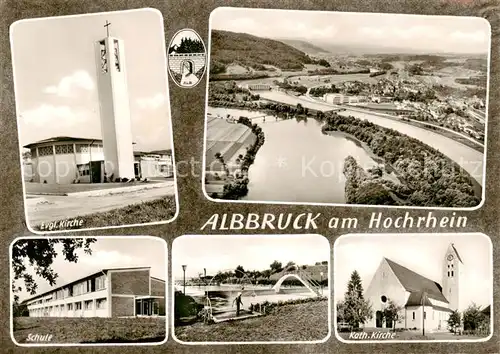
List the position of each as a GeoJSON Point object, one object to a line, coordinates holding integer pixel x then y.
{"type": "Point", "coordinates": [114, 107]}
{"type": "Point", "coordinates": [452, 277]}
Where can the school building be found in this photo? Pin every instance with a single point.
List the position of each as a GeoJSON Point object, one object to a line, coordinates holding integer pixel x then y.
{"type": "Point", "coordinates": [118, 292]}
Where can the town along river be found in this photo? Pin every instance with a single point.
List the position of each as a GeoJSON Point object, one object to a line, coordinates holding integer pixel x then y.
{"type": "Point", "coordinates": [297, 162]}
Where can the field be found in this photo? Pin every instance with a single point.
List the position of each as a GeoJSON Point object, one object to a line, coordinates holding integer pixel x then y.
{"type": "Point", "coordinates": [299, 322]}
{"type": "Point", "coordinates": [91, 330]}
{"type": "Point", "coordinates": [316, 80]}
{"type": "Point", "coordinates": [228, 139]}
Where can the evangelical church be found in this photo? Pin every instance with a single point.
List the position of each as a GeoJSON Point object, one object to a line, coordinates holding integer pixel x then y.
{"type": "Point", "coordinates": [66, 160]}
{"type": "Point", "coordinates": [425, 302]}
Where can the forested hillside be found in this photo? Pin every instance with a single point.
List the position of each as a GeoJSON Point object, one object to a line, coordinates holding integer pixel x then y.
{"type": "Point", "coordinates": [251, 51]}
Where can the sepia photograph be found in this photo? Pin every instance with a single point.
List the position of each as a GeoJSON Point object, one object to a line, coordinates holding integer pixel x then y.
{"type": "Point", "coordinates": [330, 108]}
{"type": "Point", "coordinates": [88, 291]}
{"type": "Point", "coordinates": [94, 124]}
{"type": "Point", "coordinates": [413, 287]}
{"type": "Point", "coordinates": [251, 289]}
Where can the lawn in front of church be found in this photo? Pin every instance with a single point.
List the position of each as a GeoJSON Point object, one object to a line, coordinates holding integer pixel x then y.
{"type": "Point", "coordinates": [381, 334]}
{"type": "Point", "coordinates": [155, 210]}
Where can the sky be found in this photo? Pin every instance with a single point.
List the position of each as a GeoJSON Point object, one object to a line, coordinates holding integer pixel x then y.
{"type": "Point", "coordinates": [220, 253]}
{"type": "Point", "coordinates": [426, 33]}
{"type": "Point", "coordinates": [422, 253]}
{"type": "Point", "coordinates": [55, 76]}
{"type": "Point", "coordinates": [107, 252]}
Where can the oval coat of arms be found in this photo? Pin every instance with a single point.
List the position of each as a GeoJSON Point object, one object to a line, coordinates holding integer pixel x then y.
{"type": "Point", "coordinates": [187, 58]}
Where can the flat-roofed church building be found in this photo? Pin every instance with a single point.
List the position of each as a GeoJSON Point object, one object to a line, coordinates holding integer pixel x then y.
{"type": "Point", "coordinates": [425, 302]}
{"type": "Point", "coordinates": [118, 292]}
{"type": "Point", "coordinates": [66, 160]}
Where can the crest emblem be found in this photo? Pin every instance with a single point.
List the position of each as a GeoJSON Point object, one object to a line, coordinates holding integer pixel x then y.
{"type": "Point", "coordinates": [187, 58]}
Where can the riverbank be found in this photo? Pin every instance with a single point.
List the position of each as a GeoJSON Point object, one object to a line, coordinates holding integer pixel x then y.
{"type": "Point", "coordinates": [455, 136]}
{"type": "Point", "coordinates": [429, 177]}
{"type": "Point", "coordinates": [388, 169]}
{"type": "Point", "coordinates": [291, 322]}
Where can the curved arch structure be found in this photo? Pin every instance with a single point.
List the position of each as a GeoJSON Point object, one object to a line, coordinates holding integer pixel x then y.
{"type": "Point", "coordinates": [306, 283]}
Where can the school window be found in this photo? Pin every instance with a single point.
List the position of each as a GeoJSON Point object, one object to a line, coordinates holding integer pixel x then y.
{"type": "Point", "coordinates": [100, 304]}
{"type": "Point", "coordinates": [413, 314]}
{"type": "Point", "coordinates": [88, 305]}
{"type": "Point", "coordinates": [78, 305]}
{"type": "Point", "coordinates": [452, 273]}
{"type": "Point", "coordinates": [100, 282]}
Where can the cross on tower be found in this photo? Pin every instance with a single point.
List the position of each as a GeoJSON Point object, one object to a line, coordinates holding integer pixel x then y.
{"type": "Point", "coordinates": [107, 27]}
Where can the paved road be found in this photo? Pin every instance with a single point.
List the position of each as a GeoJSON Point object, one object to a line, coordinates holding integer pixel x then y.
{"type": "Point", "coordinates": [468, 158]}
{"type": "Point", "coordinates": [51, 208]}
{"type": "Point", "coordinates": [367, 111]}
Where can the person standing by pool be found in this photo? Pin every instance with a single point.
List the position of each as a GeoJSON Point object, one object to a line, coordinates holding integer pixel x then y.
{"type": "Point", "coordinates": [238, 302]}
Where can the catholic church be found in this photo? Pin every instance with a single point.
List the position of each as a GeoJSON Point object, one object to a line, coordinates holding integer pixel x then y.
{"type": "Point", "coordinates": [66, 160]}
{"type": "Point", "coordinates": [425, 302]}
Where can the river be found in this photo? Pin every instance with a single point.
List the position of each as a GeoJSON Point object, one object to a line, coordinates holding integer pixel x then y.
{"type": "Point", "coordinates": [469, 159]}
{"type": "Point", "coordinates": [297, 162]}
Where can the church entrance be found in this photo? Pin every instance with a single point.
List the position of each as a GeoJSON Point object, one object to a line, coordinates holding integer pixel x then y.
{"type": "Point", "coordinates": [137, 169]}
{"type": "Point", "coordinates": [388, 323]}
{"type": "Point", "coordinates": [95, 171]}
{"type": "Point", "coordinates": [378, 319]}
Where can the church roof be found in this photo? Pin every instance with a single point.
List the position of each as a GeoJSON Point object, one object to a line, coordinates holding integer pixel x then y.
{"type": "Point", "coordinates": [60, 138]}
{"type": "Point", "coordinates": [458, 255]}
{"type": "Point", "coordinates": [416, 298]}
{"type": "Point", "coordinates": [487, 310]}
{"type": "Point", "coordinates": [441, 308]}
{"type": "Point", "coordinates": [94, 141]}
{"type": "Point", "coordinates": [414, 282]}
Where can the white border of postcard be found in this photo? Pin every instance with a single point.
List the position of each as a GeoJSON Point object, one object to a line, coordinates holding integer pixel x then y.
{"type": "Point", "coordinates": [176, 195]}
{"type": "Point", "coordinates": [209, 47]}
{"type": "Point", "coordinates": [229, 237]}
{"type": "Point", "coordinates": [11, 296]}
{"type": "Point", "coordinates": [429, 235]}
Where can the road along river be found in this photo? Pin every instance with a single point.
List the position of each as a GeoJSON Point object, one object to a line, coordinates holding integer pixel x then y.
{"type": "Point", "coordinates": [469, 159]}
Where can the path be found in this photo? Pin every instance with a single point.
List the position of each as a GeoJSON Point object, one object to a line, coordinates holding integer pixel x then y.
{"type": "Point", "coordinates": [62, 207]}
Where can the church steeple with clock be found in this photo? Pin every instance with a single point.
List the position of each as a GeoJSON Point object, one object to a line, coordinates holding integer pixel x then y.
{"type": "Point", "coordinates": [452, 277]}
{"type": "Point", "coordinates": [116, 128]}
